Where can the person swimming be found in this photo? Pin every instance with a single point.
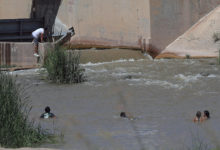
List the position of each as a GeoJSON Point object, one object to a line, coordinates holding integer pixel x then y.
{"type": "Point", "coordinates": [123, 115]}
{"type": "Point", "coordinates": [47, 113]}
{"type": "Point", "coordinates": [198, 117]}
{"type": "Point", "coordinates": [127, 116]}
{"type": "Point", "coordinates": [206, 115]}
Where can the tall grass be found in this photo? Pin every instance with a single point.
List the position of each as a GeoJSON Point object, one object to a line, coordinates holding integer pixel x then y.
{"type": "Point", "coordinates": [216, 38]}
{"type": "Point", "coordinates": [219, 56]}
{"type": "Point", "coordinates": [64, 67]}
{"type": "Point", "coordinates": [15, 129]}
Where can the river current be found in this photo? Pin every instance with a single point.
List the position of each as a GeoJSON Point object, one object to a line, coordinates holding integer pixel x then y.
{"type": "Point", "coordinates": [162, 95]}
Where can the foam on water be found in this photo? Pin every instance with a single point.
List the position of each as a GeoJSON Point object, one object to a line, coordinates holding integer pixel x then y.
{"type": "Point", "coordinates": [148, 82]}
{"type": "Point", "coordinates": [28, 72]}
{"type": "Point", "coordinates": [120, 69]}
{"type": "Point", "coordinates": [189, 62]}
{"type": "Point", "coordinates": [89, 70]}
{"type": "Point", "coordinates": [188, 78]}
{"type": "Point", "coordinates": [164, 84]}
{"type": "Point", "coordinates": [103, 63]}
{"type": "Point", "coordinates": [212, 76]}
{"type": "Point", "coordinates": [120, 74]}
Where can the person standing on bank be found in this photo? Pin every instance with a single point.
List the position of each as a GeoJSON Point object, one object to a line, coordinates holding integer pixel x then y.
{"type": "Point", "coordinates": [38, 36]}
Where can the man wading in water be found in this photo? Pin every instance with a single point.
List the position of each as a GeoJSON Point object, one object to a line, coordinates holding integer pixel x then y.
{"type": "Point", "coordinates": [47, 114]}
{"type": "Point", "coordinates": [38, 36]}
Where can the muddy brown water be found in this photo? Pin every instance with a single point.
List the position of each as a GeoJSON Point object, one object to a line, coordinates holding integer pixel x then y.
{"type": "Point", "coordinates": [163, 95]}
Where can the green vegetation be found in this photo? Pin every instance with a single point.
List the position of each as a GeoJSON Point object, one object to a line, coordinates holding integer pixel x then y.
{"type": "Point", "coordinates": [63, 67]}
{"type": "Point", "coordinates": [219, 56]}
{"type": "Point", "coordinates": [15, 129]}
{"type": "Point", "coordinates": [216, 37]}
{"type": "Point", "coordinates": [187, 56]}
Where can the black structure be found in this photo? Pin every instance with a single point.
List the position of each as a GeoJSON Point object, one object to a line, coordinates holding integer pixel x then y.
{"type": "Point", "coordinates": [48, 10]}
{"type": "Point", "coordinates": [19, 30]}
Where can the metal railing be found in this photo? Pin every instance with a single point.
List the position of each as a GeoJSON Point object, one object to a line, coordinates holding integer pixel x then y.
{"type": "Point", "coordinates": [19, 30]}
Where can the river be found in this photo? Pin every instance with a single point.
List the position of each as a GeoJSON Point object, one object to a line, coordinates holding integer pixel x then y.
{"type": "Point", "coordinates": [163, 96]}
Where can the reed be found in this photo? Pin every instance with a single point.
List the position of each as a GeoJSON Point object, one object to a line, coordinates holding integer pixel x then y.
{"type": "Point", "coordinates": [15, 128]}
{"type": "Point", "coordinates": [216, 37]}
{"type": "Point", "coordinates": [219, 56]}
{"type": "Point", "coordinates": [64, 67]}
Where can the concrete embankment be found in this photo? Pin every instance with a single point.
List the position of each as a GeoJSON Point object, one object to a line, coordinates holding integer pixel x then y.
{"type": "Point", "coordinates": [17, 54]}
{"type": "Point", "coordinates": [20, 55]}
{"type": "Point", "coordinates": [94, 55]}
{"type": "Point", "coordinates": [108, 55]}
{"type": "Point", "coordinates": [198, 41]}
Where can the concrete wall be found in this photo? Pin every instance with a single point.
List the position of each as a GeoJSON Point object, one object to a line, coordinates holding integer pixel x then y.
{"type": "Point", "coordinates": [198, 41]}
{"type": "Point", "coordinates": [120, 23]}
{"type": "Point", "coordinates": [17, 54]}
{"type": "Point", "coordinates": [107, 22]}
{"type": "Point", "coordinates": [13, 9]}
{"type": "Point", "coordinates": [171, 18]}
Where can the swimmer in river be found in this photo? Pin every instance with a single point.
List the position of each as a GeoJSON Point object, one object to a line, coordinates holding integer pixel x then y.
{"type": "Point", "coordinates": [123, 115]}
{"type": "Point", "coordinates": [206, 115]}
{"type": "Point", "coordinates": [47, 114]}
{"type": "Point", "coordinates": [198, 117]}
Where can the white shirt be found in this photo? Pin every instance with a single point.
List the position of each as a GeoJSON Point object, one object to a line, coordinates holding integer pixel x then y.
{"type": "Point", "coordinates": [37, 32]}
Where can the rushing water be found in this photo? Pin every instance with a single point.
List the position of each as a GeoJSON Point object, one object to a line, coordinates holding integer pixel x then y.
{"type": "Point", "coordinates": [163, 95]}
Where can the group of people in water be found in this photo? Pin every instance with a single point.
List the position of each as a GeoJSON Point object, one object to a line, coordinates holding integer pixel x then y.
{"type": "Point", "coordinates": [198, 118]}
{"type": "Point", "coordinates": [201, 117]}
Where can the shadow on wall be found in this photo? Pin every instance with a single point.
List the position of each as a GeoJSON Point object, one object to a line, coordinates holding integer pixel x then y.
{"type": "Point", "coordinates": [48, 10]}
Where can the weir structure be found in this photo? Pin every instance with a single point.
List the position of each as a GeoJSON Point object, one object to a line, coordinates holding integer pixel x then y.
{"type": "Point", "coordinates": [149, 25]}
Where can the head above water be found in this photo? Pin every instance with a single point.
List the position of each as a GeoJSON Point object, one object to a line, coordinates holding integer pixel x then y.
{"type": "Point", "coordinates": [123, 114]}
{"type": "Point", "coordinates": [206, 114]}
{"type": "Point", "coordinates": [47, 109]}
{"type": "Point", "coordinates": [198, 114]}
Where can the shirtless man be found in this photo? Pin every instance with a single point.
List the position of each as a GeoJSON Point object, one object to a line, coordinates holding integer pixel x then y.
{"type": "Point", "coordinates": [198, 117]}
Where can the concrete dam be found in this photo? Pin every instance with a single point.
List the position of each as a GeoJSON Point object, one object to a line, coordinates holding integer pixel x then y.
{"type": "Point", "coordinates": [147, 25]}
